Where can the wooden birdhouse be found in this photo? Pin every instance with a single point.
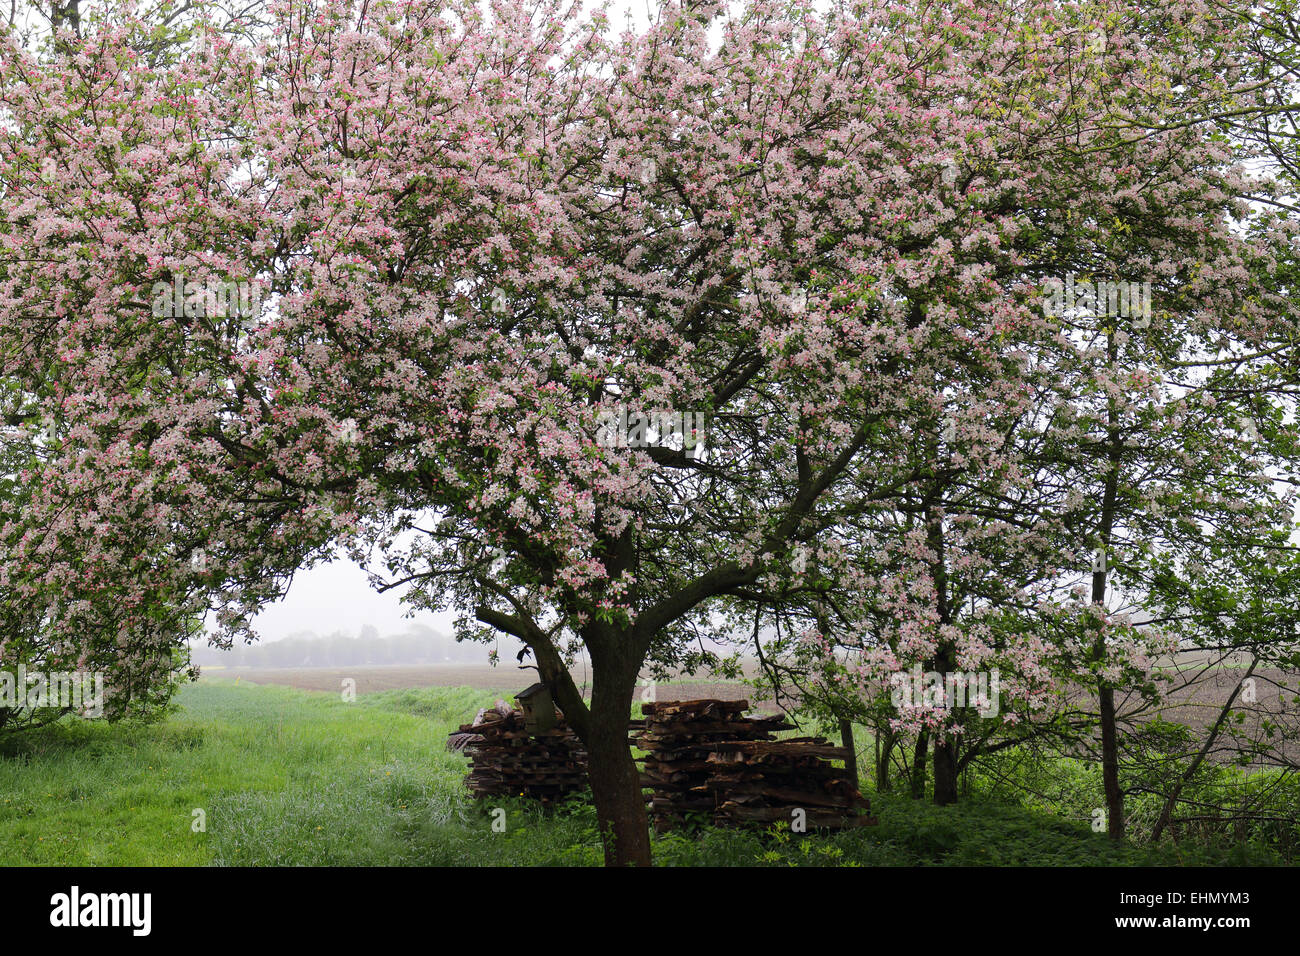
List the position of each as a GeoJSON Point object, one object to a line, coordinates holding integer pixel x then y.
{"type": "Point", "coordinates": [539, 708]}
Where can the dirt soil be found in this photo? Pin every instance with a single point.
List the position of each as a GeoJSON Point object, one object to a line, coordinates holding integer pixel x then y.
{"type": "Point", "coordinates": [503, 680]}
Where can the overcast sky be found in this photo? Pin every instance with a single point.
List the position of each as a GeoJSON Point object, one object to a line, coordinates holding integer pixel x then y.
{"type": "Point", "coordinates": [338, 597]}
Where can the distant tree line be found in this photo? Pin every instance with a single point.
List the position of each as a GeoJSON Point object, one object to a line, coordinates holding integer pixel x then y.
{"type": "Point", "coordinates": [420, 645]}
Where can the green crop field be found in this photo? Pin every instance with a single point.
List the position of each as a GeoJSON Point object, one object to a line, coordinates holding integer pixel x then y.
{"type": "Point", "coordinates": [288, 777]}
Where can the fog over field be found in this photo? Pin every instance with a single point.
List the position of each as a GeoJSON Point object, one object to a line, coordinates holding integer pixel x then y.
{"type": "Point", "coordinates": [417, 644]}
{"type": "Point", "coordinates": [333, 616]}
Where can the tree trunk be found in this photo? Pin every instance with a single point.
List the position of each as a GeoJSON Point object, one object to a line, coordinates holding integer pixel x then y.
{"type": "Point", "coordinates": [1106, 693]}
{"type": "Point", "coordinates": [602, 727]}
{"type": "Point", "coordinates": [846, 741]}
{"type": "Point", "coordinates": [945, 744]}
{"type": "Point", "coordinates": [1110, 764]}
{"type": "Point", "coordinates": [918, 764]}
{"type": "Point", "coordinates": [884, 750]}
{"type": "Point", "coordinates": [615, 782]}
{"type": "Point", "coordinates": [945, 770]}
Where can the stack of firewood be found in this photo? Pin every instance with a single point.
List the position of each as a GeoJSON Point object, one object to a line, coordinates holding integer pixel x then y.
{"type": "Point", "coordinates": [765, 781]}
{"type": "Point", "coordinates": [705, 757]}
{"type": "Point", "coordinates": [507, 760]}
{"type": "Point", "coordinates": [678, 739]}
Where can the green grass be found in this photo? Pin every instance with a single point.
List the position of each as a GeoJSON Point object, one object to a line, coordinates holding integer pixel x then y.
{"type": "Point", "coordinates": [289, 777]}
{"type": "Point", "coordinates": [283, 776]}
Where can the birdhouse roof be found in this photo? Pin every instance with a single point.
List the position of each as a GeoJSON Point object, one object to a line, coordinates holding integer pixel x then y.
{"type": "Point", "coordinates": [531, 691]}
